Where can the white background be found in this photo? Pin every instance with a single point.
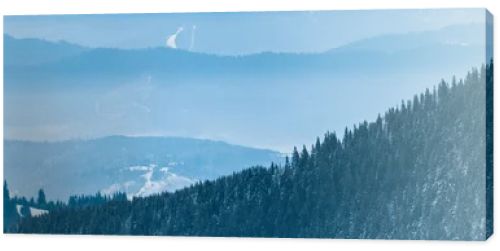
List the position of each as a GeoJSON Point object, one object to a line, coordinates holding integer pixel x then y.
{"type": "Point", "coordinates": [40, 242]}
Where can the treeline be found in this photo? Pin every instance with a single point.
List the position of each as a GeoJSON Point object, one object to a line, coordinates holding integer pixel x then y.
{"type": "Point", "coordinates": [16, 207]}
{"type": "Point", "coordinates": [417, 172]}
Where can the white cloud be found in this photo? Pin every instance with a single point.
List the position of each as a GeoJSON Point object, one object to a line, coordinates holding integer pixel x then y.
{"type": "Point", "coordinates": [171, 40]}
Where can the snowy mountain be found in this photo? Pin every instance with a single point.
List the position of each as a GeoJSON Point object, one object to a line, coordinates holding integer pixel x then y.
{"type": "Point", "coordinates": [138, 166]}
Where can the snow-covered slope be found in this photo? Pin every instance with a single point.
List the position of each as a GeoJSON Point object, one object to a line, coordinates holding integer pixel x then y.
{"type": "Point", "coordinates": [136, 165]}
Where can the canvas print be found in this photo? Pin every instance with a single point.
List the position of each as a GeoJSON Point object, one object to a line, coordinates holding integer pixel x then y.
{"type": "Point", "coordinates": [364, 124]}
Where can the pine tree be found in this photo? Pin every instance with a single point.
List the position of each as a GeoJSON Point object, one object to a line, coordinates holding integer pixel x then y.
{"type": "Point", "coordinates": [41, 201]}
{"type": "Point", "coordinates": [9, 210]}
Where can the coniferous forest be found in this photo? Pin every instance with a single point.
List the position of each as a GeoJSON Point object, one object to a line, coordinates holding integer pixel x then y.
{"type": "Point", "coordinates": [419, 171]}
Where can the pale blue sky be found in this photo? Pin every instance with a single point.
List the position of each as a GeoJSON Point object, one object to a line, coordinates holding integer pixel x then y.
{"type": "Point", "coordinates": [235, 33]}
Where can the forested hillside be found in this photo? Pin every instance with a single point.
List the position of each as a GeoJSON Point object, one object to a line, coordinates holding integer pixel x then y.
{"type": "Point", "coordinates": [418, 172]}
{"type": "Point", "coordinates": [16, 208]}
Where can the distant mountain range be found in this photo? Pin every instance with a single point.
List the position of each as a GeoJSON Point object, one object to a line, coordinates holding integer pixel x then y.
{"type": "Point", "coordinates": [136, 165]}
{"type": "Point", "coordinates": [57, 90]}
{"type": "Point", "coordinates": [401, 52]}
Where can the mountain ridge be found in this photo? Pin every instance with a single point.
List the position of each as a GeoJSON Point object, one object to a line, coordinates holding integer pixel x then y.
{"type": "Point", "coordinates": [114, 161]}
{"type": "Point", "coordinates": [435, 34]}
{"type": "Point", "coordinates": [404, 53]}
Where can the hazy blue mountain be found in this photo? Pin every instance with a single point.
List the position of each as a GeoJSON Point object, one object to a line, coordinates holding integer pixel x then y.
{"type": "Point", "coordinates": [162, 91]}
{"type": "Point", "coordinates": [401, 52]}
{"type": "Point", "coordinates": [456, 35]}
{"type": "Point", "coordinates": [23, 52]}
{"type": "Point", "coordinates": [136, 165]}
